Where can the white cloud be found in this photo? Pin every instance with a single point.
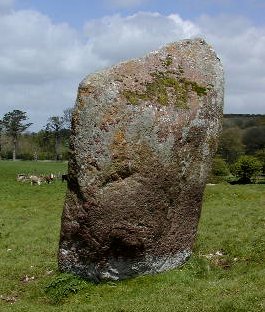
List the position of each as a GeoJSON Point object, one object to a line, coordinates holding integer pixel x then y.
{"type": "Point", "coordinates": [241, 47]}
{"type": "Point", "coordinates": [37, 50]}
{"type": "Point", "coordinates": [6, 6]}
{"type": "Point", "coordinates": [41, 63]}
{"type": "Point", "coordinates": [117, 38]}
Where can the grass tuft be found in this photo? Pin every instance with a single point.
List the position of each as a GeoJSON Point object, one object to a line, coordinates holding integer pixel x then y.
{"type": "Point", "coordinates": [62, 286]}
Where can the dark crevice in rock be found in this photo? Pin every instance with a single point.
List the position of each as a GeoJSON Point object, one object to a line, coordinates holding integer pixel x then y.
{"type": "Point", "coordinates": [117, 172]}
{"type": "Point", "coordinates": [74, 187]}
{"type": "Point", "coordinates": [93, 163]}
{"type": "Point", "coordinates": [125, 243]}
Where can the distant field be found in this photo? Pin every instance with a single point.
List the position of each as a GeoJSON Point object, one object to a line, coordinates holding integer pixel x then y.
{"type": "Point", "coordinates": [226, 272]}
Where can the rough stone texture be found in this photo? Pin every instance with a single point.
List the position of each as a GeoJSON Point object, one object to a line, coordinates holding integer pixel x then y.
{"type": "Point", "coordinates": [144, 133]}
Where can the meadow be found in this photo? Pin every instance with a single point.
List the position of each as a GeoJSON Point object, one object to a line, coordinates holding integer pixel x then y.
{"type": "Point", "coordinates": [226, 272]}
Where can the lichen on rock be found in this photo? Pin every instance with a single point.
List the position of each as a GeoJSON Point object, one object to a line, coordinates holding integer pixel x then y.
{"type": "Point", "coordinates": [143, 136]}
{"type": "Point", "coordinates": [165, 88]}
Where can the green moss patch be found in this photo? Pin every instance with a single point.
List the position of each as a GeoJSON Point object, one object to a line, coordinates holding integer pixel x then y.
{"type": "Point", "coordinates": [164, 89]}
{"type": "Point", "coordinates": [168, 61]}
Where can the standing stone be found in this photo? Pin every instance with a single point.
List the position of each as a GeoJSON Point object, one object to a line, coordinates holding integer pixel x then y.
{"type": "Point", "coordinates": [143, 136]}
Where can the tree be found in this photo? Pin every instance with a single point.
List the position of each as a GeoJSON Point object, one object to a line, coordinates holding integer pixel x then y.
{"type": "Point", "coordinates": [67, 116]}
{"type": "Point", "coordinates": [219, 171]}
{"type": "Point", "coordinates": [260, 155]}
{"type": "Point", "coordinates": [219, 167]}
{"type": "Point", "coordinates": [13, 124]}
{"type": "Point", "coordinates": [246, 167]}
{"type": "Point", "coordinates": [55, 125]}
{"type": "Point", "coordinates": [230, 145]}
{"type": "Point", "coordinates": [254, 139]}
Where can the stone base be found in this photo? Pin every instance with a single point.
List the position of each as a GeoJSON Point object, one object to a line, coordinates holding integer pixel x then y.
{"type": "Point", "coordinates": [118, 269]}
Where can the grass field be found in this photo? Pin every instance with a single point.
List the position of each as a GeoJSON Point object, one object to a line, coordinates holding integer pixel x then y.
{"type": "Point", "coordinates": [226, 272]}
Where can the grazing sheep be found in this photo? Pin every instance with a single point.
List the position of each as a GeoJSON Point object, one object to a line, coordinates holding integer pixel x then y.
{"type": "Point", "coordinates": [22, 177]}
{"type": "Point", "coordinates": [49, 178]}
{"type": "Point", "coordinates": [35, 180]}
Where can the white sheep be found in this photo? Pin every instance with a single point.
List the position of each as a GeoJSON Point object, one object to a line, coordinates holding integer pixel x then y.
{"type": "Point", "coordinates": [35, 180]}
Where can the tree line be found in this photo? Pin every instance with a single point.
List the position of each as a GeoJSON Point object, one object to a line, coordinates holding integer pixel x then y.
{"type": "Point", "coordinates": [51, 142]}
{"type": "Point", "coordinates": [241, 145]}
{"type": "Point", "coordinates": [241, 150]}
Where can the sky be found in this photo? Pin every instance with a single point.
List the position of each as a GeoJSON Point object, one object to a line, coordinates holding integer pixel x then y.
{"type": "Point", "coordinates": [48, 46]}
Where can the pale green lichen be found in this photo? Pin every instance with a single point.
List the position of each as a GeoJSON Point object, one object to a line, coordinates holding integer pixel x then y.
{"type": "Point", "coordinates": [198, 89]}
{"type": "Point", "coordinates": [168, 61]}
{"type": "Point", "coordinates": [163, 87]}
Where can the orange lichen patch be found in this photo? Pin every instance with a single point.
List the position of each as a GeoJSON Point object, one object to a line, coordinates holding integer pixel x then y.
{"type": "Point", "coordinates": [107, 119]}
{"type": "Point", "coordinates": [119, 146]}
{"type": "Point", "coordinates": [81, 102]}
{"type": "Point", "coordinates": [87, 90]}
{"type": "Point", "coordinates": [171, 49]}
{"type": "Point", "coordinates": [119, 138]}
{"type": "Point", "coordinates": [120, 167]}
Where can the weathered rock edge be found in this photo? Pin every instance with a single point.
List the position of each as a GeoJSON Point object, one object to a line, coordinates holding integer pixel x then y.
{"type": "Point", "coordinates": [143, 136]}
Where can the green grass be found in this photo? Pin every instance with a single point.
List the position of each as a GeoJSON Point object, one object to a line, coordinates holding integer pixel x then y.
{"type": "Point", "coordinates": [232, 222]}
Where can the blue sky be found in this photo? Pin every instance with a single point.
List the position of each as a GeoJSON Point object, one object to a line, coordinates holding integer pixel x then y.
{"type": "Point", "coordinates": [47, 47]}
{"type": "Point", "coordinates": [77, 12]}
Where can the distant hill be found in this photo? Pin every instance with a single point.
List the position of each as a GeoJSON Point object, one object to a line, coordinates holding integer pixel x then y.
{"type": "Point", "coordinates": [243, 115]}
{"type": "Point", "coordinates": [243, 121]}
{"type": "Point", "coordinates": [242, 134]}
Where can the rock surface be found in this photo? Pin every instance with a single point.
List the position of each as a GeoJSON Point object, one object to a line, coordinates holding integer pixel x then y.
{"type": "Point", "coordinates": [143, 136]}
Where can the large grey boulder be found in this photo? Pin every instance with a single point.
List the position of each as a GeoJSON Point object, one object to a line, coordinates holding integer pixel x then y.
{"type": "Point", "coordinates": [143, 136]}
